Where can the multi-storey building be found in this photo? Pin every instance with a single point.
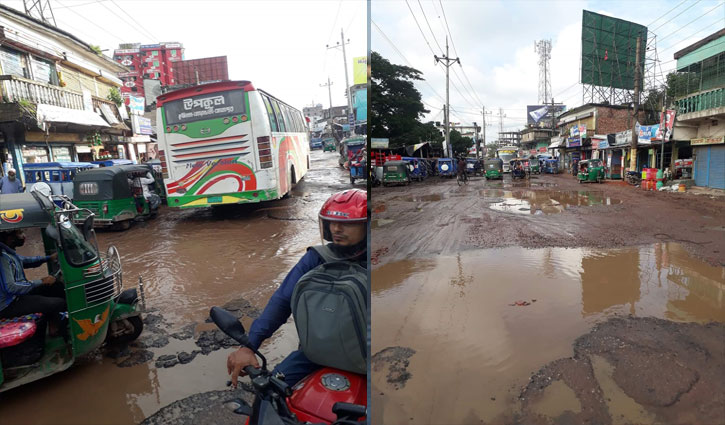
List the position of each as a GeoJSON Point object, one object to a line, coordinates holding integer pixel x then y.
{"type": "Point", "coordinates": [148, 61]}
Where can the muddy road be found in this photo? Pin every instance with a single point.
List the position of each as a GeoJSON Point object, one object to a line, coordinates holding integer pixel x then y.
{"type": "Point", "coordinates": [189, 260]}
{"type": "Point", "coordinates": [540, 302]}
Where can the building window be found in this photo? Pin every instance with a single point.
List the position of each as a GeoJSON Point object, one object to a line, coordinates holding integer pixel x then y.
{"type": "Point", "coordinates": [134, 88]}
{"type": "Point", "coordinates": [155, 53]}
{"type": "Point", "coordinates": [173, 53]}
{"type": "Point", "coordinates": [156, 63]}
{"type": "Point", "coordinates": [14, 63]}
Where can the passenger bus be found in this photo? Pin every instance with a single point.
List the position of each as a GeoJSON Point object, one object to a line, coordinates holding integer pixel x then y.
{"type": "Point", "coordinates": [229, 143]}
{"type": "Point", "coordinates": [507, 153]}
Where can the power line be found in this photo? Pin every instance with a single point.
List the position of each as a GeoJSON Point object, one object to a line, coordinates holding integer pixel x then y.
{"type": "Point", "coordinates": [93, 23]}
{"type": "Point", "coordinates": [707, 27]}
{"type": "Point", "coordinates": [448, 28]}
{"type": "Point", "coordinates": [683, 26]}
{"type": "Point", "coordinates": [138, 26]}
{"type": "Point", "coordinates": [429, 27]}
{"type": "Point", "coordinates": [335, 21]}
{"type": "Point", "coordinates": [153, 37]}
{"type": "Point", "coordinates": [419, 28]}
{"type": "Point", "coordinates": [79, 5]}
{"type": "Point", "coordinates": [678, 5]}
{"type": "Point", "coordinates": [669, 20]}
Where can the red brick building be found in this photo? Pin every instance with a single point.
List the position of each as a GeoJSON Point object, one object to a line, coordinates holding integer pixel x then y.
{"type": "Point", "coordinates": [204, 70]}
{"type": "Point", "coordinates": [148, 61]}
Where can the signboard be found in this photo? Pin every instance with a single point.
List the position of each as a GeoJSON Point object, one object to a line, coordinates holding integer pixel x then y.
{"type": "Point", "coordinates": [603, 144]}
{"type": "Point", "coordinates": [543, 113]}
{"type": "Point", "coordinates": [141, 125]}
{"type": "Point", "coordinates": [127, 62]}
{"type": "Point", "coordinates": [542, 150]}
{"type": "Point", "coordinates": [139, 139]}
{"type": "Point", "coordinates": [360, 70]}
{"type": "Point", "coordinates": [583, 131]}
{"type": "Point", "coordinates": [125, 51]}
{"type": "Point", "coordinates": [668, 117]}
{"type": "Point", "coordinates": [647, 133]}
{"type": "Point", "coordinates": [707, 141]}
{"type": "Point", "coordinates": [150, 46]}
{"type": "Point", "coordinates": [573, 142]}
{"type": "Point", "coordinates": [623, 137]}
{"type": "Point", "coordinates": [172, 45]}
{"type": "Point", "coordinates": [379, 143]}
{"type": "Point", "coordinates": [609, 51]}
{"type": "Point", "coordinates": [128, 74]}
{"type": "Point", "coordinates": [136, 105]}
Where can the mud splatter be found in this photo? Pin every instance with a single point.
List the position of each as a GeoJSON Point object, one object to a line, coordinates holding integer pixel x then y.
{"type": "Point", "coordinates": [397, 360]}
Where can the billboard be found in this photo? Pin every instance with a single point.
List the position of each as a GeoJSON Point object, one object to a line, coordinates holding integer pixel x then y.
{"type": "Point", "coordinates": [360, 70]}
{"type": "Point", "coordinates": [609, 50]}
{"type": "Point", "coordinates": [536, 114]}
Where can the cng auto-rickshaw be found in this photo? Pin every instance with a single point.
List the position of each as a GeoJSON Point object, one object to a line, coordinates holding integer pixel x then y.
{"type": "Point", "coordinates": [534, 165]}
{"type": "Point", "coordinates": [446, 167]}
{"type": "Point", "coordinates": [58, 175]}
{"type": "Point", "coordinates": [396, 172]}
{"type": "Point", "coordinates": [99, 310]}
{"type": "Point", "coordinates": [551, 166]}
{"type": "Point", "coordinates": [591, 171]}
{"type": "Point", "coordinates": [328, 145]}
{"type": "Point", "coordinates": [416, 168]}
{"type": "Point", "coordinates": [493, 168]}
{"type": "Point", "coordinates": [114, 194]}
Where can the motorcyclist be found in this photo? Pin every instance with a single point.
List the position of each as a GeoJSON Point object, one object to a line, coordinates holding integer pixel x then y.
{"type": "Point", "coordinates": [343, 226]}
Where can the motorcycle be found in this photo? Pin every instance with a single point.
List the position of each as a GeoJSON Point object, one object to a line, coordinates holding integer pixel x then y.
{"type": "Point", "coordinates": [634, 178]}
{"type": "Point", "coordinates": [327, 396]}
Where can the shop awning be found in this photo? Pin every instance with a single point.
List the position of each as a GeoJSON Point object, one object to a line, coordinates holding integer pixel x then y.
{"type": "Point", "coordinates": [57, 114]}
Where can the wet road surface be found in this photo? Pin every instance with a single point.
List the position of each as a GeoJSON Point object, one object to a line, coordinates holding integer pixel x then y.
{"type": "Point", "coordinates": [476, 288]}
{"type": "Point", "coordinates": [189, 260]}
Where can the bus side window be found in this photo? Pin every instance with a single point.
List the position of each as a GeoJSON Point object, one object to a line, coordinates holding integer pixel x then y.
{"type": "Point", "coordinates": [301, 122]}
{"type": "Point", "coordinates": [46, 176]}
{"type": "Point", "coordinates": [270, 112]}
{"type": "Point", "coordinates": [293, 117]}
{"type": "Point", "coordinates": [280, 119]}
{"type": "Point", "coordinates": [288, 118]}
{"type": "Point", "coordinates": [55, 176]}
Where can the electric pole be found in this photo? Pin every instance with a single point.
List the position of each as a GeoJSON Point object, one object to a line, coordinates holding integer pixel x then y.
{"type": "Point", "coordinates": [329, 92]}
{"type": "Point", "coordinates": [635, 136]}
{"type": "Point", "coordinates": [447, 61]}
{"type": "Point", "coordinates": [41, 10]}
{"type": "Point", "coordinates": [350, 115]}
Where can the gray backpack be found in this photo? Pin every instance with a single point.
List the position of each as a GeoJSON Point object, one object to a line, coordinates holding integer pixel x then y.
{"type": "Point", "coordinates": [329, 305]}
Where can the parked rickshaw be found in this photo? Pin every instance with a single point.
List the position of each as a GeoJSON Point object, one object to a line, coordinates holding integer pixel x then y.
{"type": "Point", "coordinates": [328, 145]}
{"type": "Point", "coordinates": [416, 167]}
{"type": "Point", "coordinates": [98, 308]}
{"type": "Point", "coordinates": [350, 148]}
{"type": "Point", "coordinates": [112, 162]}
{"type": "Point", "coordinates": [114, 194]}
{"type": "Point", "coordinates": [473, 166]}
{"type": "Point", "coordinates": [396, 172]}
{"type": "Point", "coordinates": [493, 168]}
{"type": "Point", "coordinates": [591, 171]}
{"type": "Point", "coordinates": [315, 143]}
{"type": "Point", "coordinates": [551, 166]}
{"type": "Point", "coordinates": [446, 167]}
{"type": "Point", "coordinates": [358, 171]}
{"type": "Point", "coordinates": [58, 175]}
{"type": "Point", "coordinates": [518, 169]}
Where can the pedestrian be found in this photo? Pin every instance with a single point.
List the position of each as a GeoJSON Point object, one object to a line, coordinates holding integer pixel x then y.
{"type": "Point", "coordinates": [11, 183]}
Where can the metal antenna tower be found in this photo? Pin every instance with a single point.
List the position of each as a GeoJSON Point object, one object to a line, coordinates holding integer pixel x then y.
{"type": "Point", "coordinates": [543, 48]}
{"type": "Point", "coordinates": [40, 9]}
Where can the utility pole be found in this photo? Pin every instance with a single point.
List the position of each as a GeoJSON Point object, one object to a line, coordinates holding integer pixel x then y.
{"type": "Point", "coordinates": [347, 81]}
{"type": "Point", "coordinates": [329, 92]}
{"type": "Point", "coordinates": [447, 61]}
{"type": "Point", "coordinates": [635, 136]}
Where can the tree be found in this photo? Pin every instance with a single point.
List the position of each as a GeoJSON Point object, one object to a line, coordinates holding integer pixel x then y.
{"type": "Point", "coordinates": [429, 133]}
{"type": "Point", "coordinates": [459, 143]}
{"type": "Point", "coordinates": [115, 96]}
{"type": "Point", "coordinates": [396, 103]}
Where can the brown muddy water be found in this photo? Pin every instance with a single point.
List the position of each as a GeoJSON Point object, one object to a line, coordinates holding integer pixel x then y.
{"type": "Point", "coordinates": [458, 337]}
{"type": "Point", "coordinates": [189, 260]}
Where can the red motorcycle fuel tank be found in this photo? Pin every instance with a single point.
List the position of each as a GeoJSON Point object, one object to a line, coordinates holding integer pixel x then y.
{"type": "Point", "coordinates": [314, 396]}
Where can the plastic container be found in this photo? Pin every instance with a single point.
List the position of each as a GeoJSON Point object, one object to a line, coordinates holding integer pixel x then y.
{"type": "Point", "coordinates": [682, 188]}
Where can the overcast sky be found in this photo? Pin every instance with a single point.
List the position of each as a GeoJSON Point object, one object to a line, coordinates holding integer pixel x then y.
{"type": "Point", "coordinates": [278, 45]}
{"type": "Point", "coordinates": [495, 43]}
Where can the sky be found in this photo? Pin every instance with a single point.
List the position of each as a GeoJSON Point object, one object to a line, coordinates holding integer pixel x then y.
{"type": "Point", "coordinates": [280, 46]}
{"type": "Point", "coordinates": [494, 40]}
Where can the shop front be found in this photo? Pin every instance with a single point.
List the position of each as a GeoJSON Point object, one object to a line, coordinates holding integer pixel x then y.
{"type": "Point", "coordinates": [709, 161]}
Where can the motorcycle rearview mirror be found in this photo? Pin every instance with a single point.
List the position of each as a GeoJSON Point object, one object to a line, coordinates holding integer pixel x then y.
{"type": "Point", "coordinates": [239, 406]}
{"type": "Point", "coordinates": [229, 324]}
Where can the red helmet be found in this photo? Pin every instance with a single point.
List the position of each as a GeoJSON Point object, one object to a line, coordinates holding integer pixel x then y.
{"type": "Point", "coordinates": [349, 206]}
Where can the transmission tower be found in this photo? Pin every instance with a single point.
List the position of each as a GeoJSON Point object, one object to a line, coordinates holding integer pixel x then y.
{"type": "Point", "coordinates": [543, 48]}
{"type": "Point", "coordinates": [41, 10]}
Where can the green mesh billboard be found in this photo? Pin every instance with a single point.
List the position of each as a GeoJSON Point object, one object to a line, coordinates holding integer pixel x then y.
{"type": "Point", "coordinates": [609, 51]}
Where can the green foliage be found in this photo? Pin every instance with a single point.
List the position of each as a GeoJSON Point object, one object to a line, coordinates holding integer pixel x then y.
{"type": "Point", "coordinates": [459, 143]}
{"type": "Point", "coordinates": [396, 104]}
{"type": "Point", "coordinates": [429, 133]}
{"type": "Point", "coordinates": [96, 49]}
{"type": "Point", "coordinates": [115, 96]}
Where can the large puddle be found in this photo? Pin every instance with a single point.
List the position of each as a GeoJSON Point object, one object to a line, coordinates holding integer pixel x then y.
{"type": "Point", "coordinates": [462, 334]}
{"type": "Point", "coordinates": [543, 201]}
{"type": "Point", "coordinates": [190, 260]}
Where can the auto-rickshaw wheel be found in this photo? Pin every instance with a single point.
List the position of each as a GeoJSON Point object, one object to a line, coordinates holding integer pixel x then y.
{"type": "Point", "coordinates": [122, 225]}
{"type": "Point", "coordinates": [137, 324]}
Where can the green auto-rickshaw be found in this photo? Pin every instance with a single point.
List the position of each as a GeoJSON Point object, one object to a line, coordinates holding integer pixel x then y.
{"type": "Point", "coordinates": [396, 172]}
{"type": "Point", "coordinates": [115, 195]}
{"type": "Point", "coordinates": [98, 309]}
{"type": "Point", "coordinates": [328, 145]}
{"type": "Point", "coordinates": [591, 171]}
{"type": "Point", "coordinates": [493, 168]}
{"type": "Point", "coordinates": [534, 165]}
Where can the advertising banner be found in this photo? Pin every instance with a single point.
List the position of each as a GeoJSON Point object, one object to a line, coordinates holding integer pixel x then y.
{"type": "Point", "coordinates": [360, 70]}
{"type": "Point", "coordinates": [136, 105]}
{"type": "Point", "coordinates": [647, 133]}
{"type": "Point", "coordinates": [141, 125]}
{"type": "Point", "coordinates": [537, 113]}
{"type": "Point", "coordinates": [573, 142]}
{"type": "Point", "coordinates": [379, 143]}
{"type": "Point", "coordinates": [668, 117]}
{"type": "Point", "coordinates": [707, 141]}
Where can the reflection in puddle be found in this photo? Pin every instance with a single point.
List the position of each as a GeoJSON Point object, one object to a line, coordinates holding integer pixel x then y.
{"type": "Point", "coordinates": [472, 347]}
{"type": "Point", "coordinates": [557, 399]}
{"type": "Point", "coordinates": [543, 201]}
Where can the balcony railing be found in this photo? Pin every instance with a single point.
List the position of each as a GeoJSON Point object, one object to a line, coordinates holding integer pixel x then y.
{"type": "Point", "coordinates": [701, 101]}
{"type": "Point", "coordinates": [15, 89]}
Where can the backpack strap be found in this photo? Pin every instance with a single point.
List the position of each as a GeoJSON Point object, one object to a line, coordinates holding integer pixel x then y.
{"type": "Point", "coordinates": [329, 256]}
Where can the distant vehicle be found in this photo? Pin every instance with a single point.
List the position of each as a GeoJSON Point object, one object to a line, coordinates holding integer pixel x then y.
{"type": "Point", "coordinates": [396, 172]}
{"type": "Point", "coordinates": [494, 168]}
{"type": "Point", "coordinates": [591, 171]}
{"type": "Point", "coordinates": [229, 143]}
{"type": "Point", "coordinates": [58, 175]}
{"type": "Point", "coordinates": [446, 167]}
{"type": "Point", "coordinates": [350, 148]}
{"type": "Point", "coordinates": [112, 162]}
{"type": "Point", "coordinates": [507, 153]}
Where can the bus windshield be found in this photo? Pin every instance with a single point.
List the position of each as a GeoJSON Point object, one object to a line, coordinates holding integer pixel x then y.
{"type": "Point", "coordinates": [205, 106]}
